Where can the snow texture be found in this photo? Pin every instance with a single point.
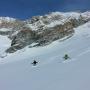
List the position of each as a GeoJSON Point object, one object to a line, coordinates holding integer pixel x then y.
{"type": "Point", "coordinates": [52, 72]}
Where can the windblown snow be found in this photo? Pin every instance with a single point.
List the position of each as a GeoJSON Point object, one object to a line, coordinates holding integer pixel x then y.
{"type": "Point", "coordinates": [52, 72]}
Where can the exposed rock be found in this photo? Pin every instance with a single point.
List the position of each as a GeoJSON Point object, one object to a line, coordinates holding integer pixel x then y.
{"type": "Point", "coordinates": [42, 30]}
{"type": "Point", "coordinates": [23, 38]}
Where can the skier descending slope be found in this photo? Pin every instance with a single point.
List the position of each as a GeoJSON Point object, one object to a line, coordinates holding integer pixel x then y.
{"type": "Point", "coordinates": [34, 63]}
{"type": "Point", "coordinates": [66, 57]}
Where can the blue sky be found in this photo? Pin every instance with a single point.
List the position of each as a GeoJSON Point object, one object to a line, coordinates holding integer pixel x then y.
{"type": "Point", "coordinates": [23, 9]}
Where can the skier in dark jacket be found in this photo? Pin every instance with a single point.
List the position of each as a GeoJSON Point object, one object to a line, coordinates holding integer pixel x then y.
{"type": "Point", "coordinates": [34, 63]}
{"type": "Point", "coordinates": [66, 57]}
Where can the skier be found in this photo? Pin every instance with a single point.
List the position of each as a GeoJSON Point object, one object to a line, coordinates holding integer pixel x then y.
{"type": "Point", "coordinates": [66, 56]}
{"type": "Point", "coordinates": [34, 63]}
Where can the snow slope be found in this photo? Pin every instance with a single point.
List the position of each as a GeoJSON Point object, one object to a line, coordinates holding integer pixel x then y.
{"type": "Point", "coordinates": [52, 72]}
{"type": "Point", "coordinates": [4, 44]}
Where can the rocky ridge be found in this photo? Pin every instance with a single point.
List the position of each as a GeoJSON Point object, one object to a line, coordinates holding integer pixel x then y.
{"type": "Point", "coordinates": [41, 30]}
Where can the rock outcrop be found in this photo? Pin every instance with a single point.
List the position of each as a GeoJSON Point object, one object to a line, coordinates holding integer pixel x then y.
{"type": "Point", "coordinates": [42, 30]}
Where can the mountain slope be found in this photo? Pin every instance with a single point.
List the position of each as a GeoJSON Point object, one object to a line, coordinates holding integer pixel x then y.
{"type": "Point", "coordinates": [52, 72]}
{"type": "Point", "coordinates": [41, 30]}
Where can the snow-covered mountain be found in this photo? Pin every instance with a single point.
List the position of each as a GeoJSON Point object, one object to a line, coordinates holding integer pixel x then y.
{"type": "Point", "coordinates": [41, 30]}
{"type": "Point", "coordinates": [6, 19]}
{"type": "Point", "coordinates": [55, 18]}
{"type": "Point", "coordinates": [52, 72]}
